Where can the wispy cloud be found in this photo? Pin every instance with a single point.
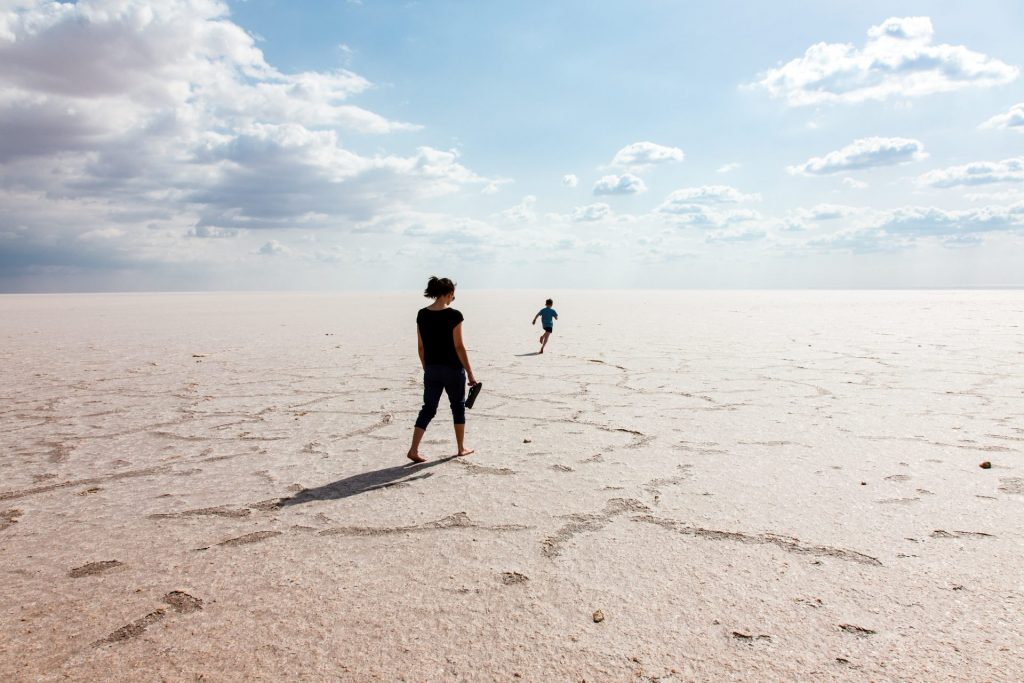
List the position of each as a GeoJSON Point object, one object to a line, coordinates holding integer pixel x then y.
{"type": "Point", "coordinates": [708, 206]}
{"type": "Point", "coordinates": [710, 194]}
{"type": "Point", "coordinates": [1012, 119]}
{"type": "Point", "coordinates": [735, 235]}
{"type": "Point", "coordinates": [976, 173]}
{"type": "Point", "coordinates": [570, 180]}
{"type": "Point", "coordinates": [523, 212]}
{"type": "Point", "coordinates": [207, 232]}
{"type": "Point", "coordinates": [933, 221]}
{"type": "Point", "coordinates": [862, 154]}
{"type": "Point", "coordinates": [1008, 196]}
{"type": "Point", "coordinates": [591, 213]}
{"type": "Point", "coordinates": [962, 241]}
{"type": "Point", "coordinates": [857, 241]}
{"type": "Point", "coordinates": [639, 156]}
{"type": "Point", "coordinates": [443, 230]}
{"type": "Point", "coordinates": [899, 59]}
{"type": "Point", "coordinates": [627, 183]}
{"type": "Point", "coordinates": [901, 228]}
{"type": "Point", "coordinates": [274, 248]}
{"type": "Point", "coordinates": [828, 212]}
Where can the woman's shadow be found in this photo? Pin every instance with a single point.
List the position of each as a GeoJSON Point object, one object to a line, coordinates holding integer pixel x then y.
{"type": "Point", "coordinates": [367, 481]}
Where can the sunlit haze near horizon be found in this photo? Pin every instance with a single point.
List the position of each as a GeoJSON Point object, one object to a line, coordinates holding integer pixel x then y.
{"type": "Point", "coordinates": [174, 145]}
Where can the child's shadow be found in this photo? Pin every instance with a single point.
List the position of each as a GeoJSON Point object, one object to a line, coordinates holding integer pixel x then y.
{"type": "Point", "coordinates": [535, 353]}
{"type": "Point", "coordinates": [367, 481]}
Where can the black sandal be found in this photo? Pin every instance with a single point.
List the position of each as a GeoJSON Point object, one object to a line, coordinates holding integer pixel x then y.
{"type": "Point", "coordinates": [474, 391]}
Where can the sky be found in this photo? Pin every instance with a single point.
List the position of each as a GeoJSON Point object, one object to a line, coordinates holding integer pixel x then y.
{"type": "Point", "coordinates": [180, 145]}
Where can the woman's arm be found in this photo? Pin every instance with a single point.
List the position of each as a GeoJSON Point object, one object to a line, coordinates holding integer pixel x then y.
{"type": "Point", "coordinates": [460, 350]}
{"type": "Point", "coordinates": [419, 347]}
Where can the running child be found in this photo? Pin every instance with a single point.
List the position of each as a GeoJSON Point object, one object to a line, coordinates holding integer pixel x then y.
{"type": "Point", "coordinates": [547, 317]}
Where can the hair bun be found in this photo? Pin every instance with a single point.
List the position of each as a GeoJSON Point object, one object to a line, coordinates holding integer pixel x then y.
{"type": "Point", "coordinates": [438, 287]}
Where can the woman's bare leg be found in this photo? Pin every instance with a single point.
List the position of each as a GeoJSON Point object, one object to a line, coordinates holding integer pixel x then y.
{"type": "Point", "coordinates": [414, 450]}
{"type": "Point", "coordinates": [460, 434]}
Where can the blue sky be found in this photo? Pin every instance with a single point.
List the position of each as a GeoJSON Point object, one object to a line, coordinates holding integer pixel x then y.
{"type": "Point", "coordinates": [198, 144]}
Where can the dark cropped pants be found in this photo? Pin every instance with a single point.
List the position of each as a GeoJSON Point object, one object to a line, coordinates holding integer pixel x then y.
{"type": "Point", "coordinates": [438, 379]}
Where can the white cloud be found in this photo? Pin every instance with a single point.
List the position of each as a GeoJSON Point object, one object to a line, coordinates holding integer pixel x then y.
{"type": "Point", "coordinates": [704, 206]}
{"type": "Point", "coordinates": [439, 229]}
{"type": "Point", "coordinates": [899, 59]}
{"type": "Point", "coordinates": [570, 180]}
{"type": "Point", "coordinates": [205, 231]}
{"type": "Point", "coordinates": [590, 212]}
{"type": "Point", "coordinates": [930, 221]}
{"type": "Point", "coordinates": [735, 235]}
{"type": "Point", "coordinates": [976, 173]}
{"type": "Point", "coordinates": [523, 212]}
{"type": "Point", "coordinates": [627, 183]}
{"type": "Point", "coordinates": [1013, 119]}
{"type": "Point", "coordinates": [962, 241]}
{"type": "Point", "coordinates": [102, 234]}
{"type": "Point", "coordinates": [493, 186]}
{"type": "Point", "coordinates": [827, 212]}
{"type": "Point", "coordinates": [641, 155]}
{"type": "Point", "coordinates": [274, 176]}
{"type": "Point", "coordinates": [858, 241]}
{"type": "Point", "coordinates": [854, 184]}
{"type": "Point", "coordinates": [164, 121]}
{"type": "Point", "coordinates": [274, 248]}
{"type": "Point", "coordinates": [792, 225]}
{"type": "Point", "coordinates": [726, 168]}
{"type": "Point", "coordinates": [699, 216]}
{"type": "Point", "coordinates": [347, 53]}
{"type": "Point", "coordinates": [863, 153]}
{"type": "Point", "coordinates": [709, 194]}
{"type": "Point", "coordinates": [822, 216]}
{"type": "Point", "coordinates": [1004, 197]}
{"type": "Point", "coordinates": [902, 227]}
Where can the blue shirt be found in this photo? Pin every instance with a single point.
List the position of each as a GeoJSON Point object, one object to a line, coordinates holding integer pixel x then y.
{"type": "Point", "coordinates": [547, 315]}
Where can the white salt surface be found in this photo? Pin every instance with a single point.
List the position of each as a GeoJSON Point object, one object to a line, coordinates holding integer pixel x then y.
{"type": "Point", "coordinates": [748, 486]}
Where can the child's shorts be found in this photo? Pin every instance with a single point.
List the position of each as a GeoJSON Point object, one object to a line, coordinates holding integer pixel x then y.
{"type": "Point", "coordinates": [549, 329]}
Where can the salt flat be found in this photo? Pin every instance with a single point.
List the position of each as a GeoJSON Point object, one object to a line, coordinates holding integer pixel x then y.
{"type": "Point", "coordinates": [747, 485]}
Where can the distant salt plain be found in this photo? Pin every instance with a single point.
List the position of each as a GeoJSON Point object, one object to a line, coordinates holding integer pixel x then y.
{"type": "Point", "coordinates": [744, 485]}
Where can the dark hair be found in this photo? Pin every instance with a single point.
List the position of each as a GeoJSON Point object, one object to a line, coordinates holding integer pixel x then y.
{"type": "Point", "coordinates": [438, 286]}
{"type": "Point", "coordinates": [549, 302]}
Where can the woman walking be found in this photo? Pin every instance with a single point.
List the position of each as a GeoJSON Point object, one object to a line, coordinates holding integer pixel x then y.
{"type": "Point", "coordinates": [445, 363]}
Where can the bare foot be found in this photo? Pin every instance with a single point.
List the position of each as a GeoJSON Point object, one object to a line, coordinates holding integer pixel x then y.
{"type": "Point", "coordinates": [541, 350]}
{"type": "Point", "coordinates": [466, 451]}
{"type": "Point", "coordinates": [415, 457]}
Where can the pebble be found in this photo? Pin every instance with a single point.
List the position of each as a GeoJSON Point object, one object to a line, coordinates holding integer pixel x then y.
{"type": "Point", "coordinates": [598, 617]}
{"type": "Point", "coordinates": [985, 465]}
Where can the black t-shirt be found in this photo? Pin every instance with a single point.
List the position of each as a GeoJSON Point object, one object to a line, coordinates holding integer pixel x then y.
{"type": "Point", "coordinates": [436, 331]}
